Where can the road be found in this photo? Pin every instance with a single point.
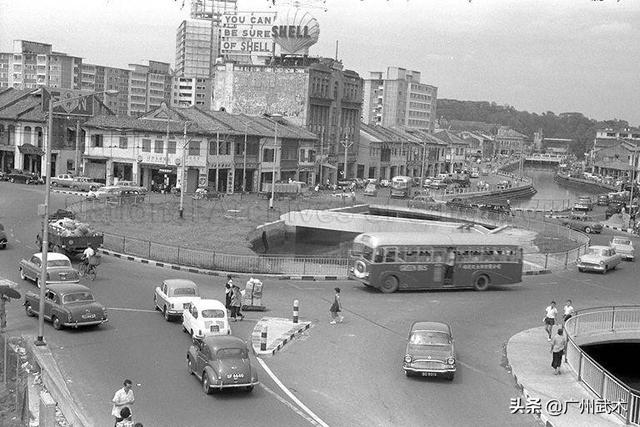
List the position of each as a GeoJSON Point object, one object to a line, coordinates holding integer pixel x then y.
{"type": "Point", "coordinates": [348, 374]}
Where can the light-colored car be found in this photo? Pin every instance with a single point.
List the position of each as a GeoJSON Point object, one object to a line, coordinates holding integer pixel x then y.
{"type": "Point", "coordinates": [59, 269]}
{"type": "Point", "coordinates": [599, 258]}
{"type": "Point", "coordinates": [62, 180]}
{"type": "Point", "coordinates": [132, 186]}
{"type": "Point", "coordinates": [82, 183]}
{"type": "Point", "coordinates": [205, 317]}
{"type": "Point", "coordinates": [385, 183]}
{"type": "Point", "coordinates": [430, 351]}
{"type": "Point", "coordinates": [624, 247]}
{"type": "Point", "coordinates": [105, 192]}
{"type": "Point", "coordinates": [371, 190]}
{"type": "Point", "coordinates": [174, 296]}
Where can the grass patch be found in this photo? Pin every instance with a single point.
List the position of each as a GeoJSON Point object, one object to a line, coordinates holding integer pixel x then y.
{"type": "Point", "coordinates": [548, 242]}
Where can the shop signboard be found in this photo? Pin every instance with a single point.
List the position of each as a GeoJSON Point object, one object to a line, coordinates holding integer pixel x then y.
{"type": "Point", "coordinates": [295, 31]}
{"type": "Point", "coordinates": [247, 32]}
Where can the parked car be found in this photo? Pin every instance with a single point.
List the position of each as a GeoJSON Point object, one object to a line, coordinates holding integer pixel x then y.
{"type": "Point", "coordinates": [105, 192]}
{"type": "Point", "coordinates": [24, 177]}
{"type": "Point", "coordinates": [126, 197]}
{"type": "Point", "coordinates": [459, 203]}
{"type": "Point", "coordinates": [612, 209]}
{"type": "Point", "coordinates": [205, 317]}
{"type": "Point", "coordinates": [475, 174]}
{"type": "Point", "coordinates": [221, 362]}
{"type": "Point", "coordinates": [132, 186]}
{"type": "Point", "coordinates": [59, 269]}
{"type": "Point", "coordinates": [371, 190]}
{"type": "Point", "coordinates": [603, 200]}
{"type": "Point", "coordinates": [385, 183]}
{"type": "Point", "coordinates": [599, 258]}
{"type": "Point", "coordinates": [430, 351]}
{"type": "Point", "coordinates": [503, 185]}
{"type": "Point", "coordinates": [424, 202]}
{"type": "Point", "coordinates": [62, 180]}
{"type": "Point", "coordinates": [583, 204]}
{"type": "Point", "coordinates": [174, 296]}
{"type": "Point", "coordinates": [82, 183]}
{"type": "Point", "coordinates": [67, 305]}
{"type": "Point", "coordinates": [583, 223]}
{"type": "Point", "coordinates": [3, 237]}
{"type": "Point", "coordinates": [624, 247]}
{"type": "Point", "coordinates": [438, 184]}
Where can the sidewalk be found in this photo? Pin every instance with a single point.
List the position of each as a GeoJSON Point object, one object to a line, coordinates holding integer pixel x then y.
{"type": "Point", "coordinates": [279, 332]}
{"type": "Point", "coordinates": [530, 360]}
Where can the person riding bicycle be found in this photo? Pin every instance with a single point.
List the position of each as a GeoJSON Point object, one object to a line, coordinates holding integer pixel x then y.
{"type": "Point", "coordinates": [86, 255]}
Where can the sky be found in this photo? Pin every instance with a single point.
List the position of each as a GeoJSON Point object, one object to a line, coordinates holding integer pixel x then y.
{"type": "Point", "coordinates": [536, 55]}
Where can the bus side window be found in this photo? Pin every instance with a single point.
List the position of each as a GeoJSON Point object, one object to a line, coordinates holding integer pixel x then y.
{"type": "Point", "coordinates": [438, 255]}
{"type": "Point", "coordinates": [378, 256]}
{"type": "Point", "coordinates": [390, 255]}
{"type": "Point", "coordinates": [411, 254]}
{"type": "Point", "coordinates": [424, 255]}
{"type": "Point", "coordinates": [401, 255]}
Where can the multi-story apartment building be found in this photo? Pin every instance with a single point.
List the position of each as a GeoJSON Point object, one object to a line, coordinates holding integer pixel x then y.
{"type": "Point", "coordinates": [98, 78]}
{"type": "Point", "coordinates": [193, 48]}
{"type": "Point", "coordinates": [398, 98]}
{"type": "Point", "coordinates": [149, 86]}
{"type": "Point", "coordinates": [5, 61]}
{"type": "Point", "coordinates": [189, 91]}
{"type": "Point", "coordinates": [316, 93]}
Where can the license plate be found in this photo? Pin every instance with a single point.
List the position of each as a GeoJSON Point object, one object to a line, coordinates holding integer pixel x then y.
{"type": "Point", "coordinates": [88, 316]}
{"type": "Point", "coordinates": [428, 374]}
{"type": "Point", "coordinates": [215, 328]}
{"type": "Point", "coordinates": [186, 305]}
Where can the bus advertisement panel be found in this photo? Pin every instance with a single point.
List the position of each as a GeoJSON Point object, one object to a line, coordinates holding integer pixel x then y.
{"type": "Point", "coordinates": [401, 186]}
{"type": "Point", "coordinates": [393, 261]}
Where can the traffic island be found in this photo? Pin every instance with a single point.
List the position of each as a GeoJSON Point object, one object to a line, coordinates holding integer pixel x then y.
{"type": "Point", "coordinates": [279, 331]}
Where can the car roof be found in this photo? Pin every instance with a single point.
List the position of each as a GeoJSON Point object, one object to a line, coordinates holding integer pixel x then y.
{"type": "Point", "coordinates": [179, 283]}
{"type": "Point", "coordinates": [599, 247]}
{"type": "Point", "coordinates": [217, 342]}
{"type": "Point", "coordinates": [208, 303]}
{"type": "Point", "coordinates": [65, 288]}
{"type": "Point", "coordinates": [430, 326]}
{"type": "Point", "coordinates": [53, 256]}
{"type": "Point", "coordinates": [433, 239]}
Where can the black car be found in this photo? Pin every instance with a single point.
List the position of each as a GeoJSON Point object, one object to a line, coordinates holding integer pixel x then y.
{"type": "Point", "coordinates": [24, 177]}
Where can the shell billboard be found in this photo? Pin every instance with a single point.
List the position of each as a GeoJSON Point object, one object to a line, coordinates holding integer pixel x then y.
{"type": "Point", "coordinates": [295, 30]}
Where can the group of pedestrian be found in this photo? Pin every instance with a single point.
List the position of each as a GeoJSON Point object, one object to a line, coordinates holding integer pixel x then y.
{"type": "Point", "coordinates": [559, 340]}
{"type": "Point", "coordinates": [233, 299]}
{"type": "Point", "coordinates": [122, 401]}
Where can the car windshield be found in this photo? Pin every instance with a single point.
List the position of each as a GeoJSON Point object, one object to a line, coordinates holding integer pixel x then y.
{"type": "Point", "coordinates": [232, 353]}
{"type": "Point", "coordinates": [179, 292]}
{"type": "Point", "coordinates": [361, 250]}
{"type": "Point", "coordinates": [58, 263]}
{"type": "Point", "coordinates": [596, 251]}
{"type": "Point", "coordinates": [213, 314]}
{"type": "Point", "coordinates": [621, 242]}
{"type": "Point", "coordinates": [429, 338]}
{"type": "Point", "coordinates": [78, 297]}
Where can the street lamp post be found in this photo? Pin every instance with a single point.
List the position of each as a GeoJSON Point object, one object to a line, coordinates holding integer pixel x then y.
{"type": "Point", "coordinates": [45, 219]}
{"type": "Point", "coordinates": [346, 143]}
{"type": "Point", "coordinates": [183, 186]}
{"type": "Point", "coordinates": [270, 117]}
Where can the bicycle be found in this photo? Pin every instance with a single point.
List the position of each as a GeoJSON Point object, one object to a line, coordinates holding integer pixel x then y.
{"type": "Point", "coordinates": [89, 269]}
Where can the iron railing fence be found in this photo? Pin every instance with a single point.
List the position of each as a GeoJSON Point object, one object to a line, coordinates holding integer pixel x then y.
{"type": "Point", "coordinates": [595, 321]}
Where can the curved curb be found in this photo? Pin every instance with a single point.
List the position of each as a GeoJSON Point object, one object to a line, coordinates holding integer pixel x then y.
{"type": "Point", "coordinates": [279, 342]}
{"type": "Point", "coordinates": [54, 382]}
{"type": "Point", "coordinates": [195, 270]}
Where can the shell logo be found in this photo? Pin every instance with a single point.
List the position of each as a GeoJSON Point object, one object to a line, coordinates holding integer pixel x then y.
{"type": "Point", "coordinates": [296, 31]}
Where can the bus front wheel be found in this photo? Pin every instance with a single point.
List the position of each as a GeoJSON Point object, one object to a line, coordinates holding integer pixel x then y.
{"type": "Point", "coordinates": [389, 284]}
{"type": "Point", "coordinates": [481, 283]}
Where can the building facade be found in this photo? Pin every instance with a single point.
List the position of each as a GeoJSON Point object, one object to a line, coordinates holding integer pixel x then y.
{"type": "Point", "coordinates": [318, 95]}
{"type": "Point", "coordinates": [98, 78]}
{"type": "Point", "coordinates": [193, 48]}
{"type": "Point", "coordinates": [170, 147]}
{"type": "Point", "coordinates": [149, 86]}
{"type": "Point", "coordinates": [398, 98]}
{"type": "Point", "coordinates": [509, 142]}
{"type": "Point", "coordinates": [191, 91]}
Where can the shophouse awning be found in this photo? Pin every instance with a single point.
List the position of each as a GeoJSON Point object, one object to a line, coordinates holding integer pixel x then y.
{"type": "Point", "coordinates": [30, 149]}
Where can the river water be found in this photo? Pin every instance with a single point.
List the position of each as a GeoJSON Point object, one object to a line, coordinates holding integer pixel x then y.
{"type": "Point", "coordinates": [550, 194]}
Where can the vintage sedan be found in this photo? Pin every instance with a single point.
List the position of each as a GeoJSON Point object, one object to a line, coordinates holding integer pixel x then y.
{"type": "Point", "coordinates": [174, 296]}
{"type": "Point", "coordinates": [371, 190]}
{"type": "Point", "coordinates": [430, 351]}
{"type": "Point", "coordinates": [62, 180]}
{"type": "Point", "coordinates": [59, 269]}
{"type": "Point", "coordinates": [221, 362]}
{"type": "Point", "coordinates": [624, 247]}
{"type": "Point", "coordinates": [67, 305]}
{"type": "Point", "coordinates": [3, 237]}
{"type": "Point", "coordinates": [205, 317]}
{"type": "Point", "coordinates": [581, 222]}
{"type": "Point", "coordinates": [82, 183]}
{"type": "Point", "coordinates": [599, 258]}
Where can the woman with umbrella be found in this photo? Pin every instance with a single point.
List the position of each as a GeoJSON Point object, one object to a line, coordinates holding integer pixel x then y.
{"type": "Point", "coordinates": [6, 293]}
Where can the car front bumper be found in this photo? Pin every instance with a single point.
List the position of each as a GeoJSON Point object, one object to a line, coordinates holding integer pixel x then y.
{"type": "Point", "coordinates": [446, 370]}
{"type": "Point", "coordinates": [591, 267]}
{"type": "Point", "coordinates": [81, 324]}
{"type": "Point", "coordinates": [221, 385]}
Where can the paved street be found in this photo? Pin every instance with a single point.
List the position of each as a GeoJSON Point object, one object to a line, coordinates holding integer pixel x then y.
{"type": "Point", "coordinates": [347, 374]}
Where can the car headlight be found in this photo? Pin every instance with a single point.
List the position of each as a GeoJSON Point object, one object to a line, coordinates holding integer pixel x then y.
{"type": "Point", "coordinates": [601, 262]}
{"type": "Point", "coordinates": [171, 306]}
{"type": "Point", "coordinates": [451, 361]}
{"type": "Point", "coordinates": [408, 358]}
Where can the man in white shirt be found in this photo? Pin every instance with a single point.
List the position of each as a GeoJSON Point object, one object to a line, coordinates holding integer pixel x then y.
{"type": "Point", "coordinates": [123, 398]}
{"type": "Point", "coordinates": [550, 318]}
{"type": "Point", "coordinates": [568, 311]}
{"type": "Point", "coordinates": [88, 253]}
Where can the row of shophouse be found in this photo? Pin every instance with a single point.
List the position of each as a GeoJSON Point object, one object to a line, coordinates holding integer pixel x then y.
{"type": "Point", "coordinates": [616, 153]}
{"type": "Point", "coordinates": [232, 152]}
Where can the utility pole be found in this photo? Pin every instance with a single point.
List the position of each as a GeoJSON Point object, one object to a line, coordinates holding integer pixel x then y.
{"type": "Point", "coordinates": [77, 160]}
{"type": "Point", "coordinates": [633, 183]}
{"type": "Point", "coordinates": [346, 143]}
{"type": "Point", "coordinates": [244, 166]}
{"type": "Point", "coordinates": [183, 179]}
{"type": "Point", "coordinates": [321, 155]}
{"type": "Point", "coordinates": [424, 161]}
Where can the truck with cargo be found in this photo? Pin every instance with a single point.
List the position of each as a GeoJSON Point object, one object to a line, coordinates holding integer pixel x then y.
{"type": "Point", "coordinates": [71, 237]}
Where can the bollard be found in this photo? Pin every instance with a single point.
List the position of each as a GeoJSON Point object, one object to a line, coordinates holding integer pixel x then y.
{"type": "Point", "coordinates": [295, 311]}
{"type": "Point", "coordinates": [263, 339]}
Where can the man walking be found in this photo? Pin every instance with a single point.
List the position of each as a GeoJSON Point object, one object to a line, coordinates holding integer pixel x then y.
{"type": "Point", "coordinates": [236, 303]}
{"type": "Point", "coordinates": [568, 312]}
{"type": "Point", "coordinates": [558, 347]}
{"type": "Point", "coordinates": [550, 319]}
{"type": "Point", "coordinates": [123, 398]}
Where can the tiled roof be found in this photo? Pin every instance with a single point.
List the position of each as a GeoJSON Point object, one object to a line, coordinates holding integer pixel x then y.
{"type": "Point", "coordinates": [450, 138]}
{"type": "Point", "coordinates": [507, 132]}
{"type": "Point", "coordinates": [27, 108]}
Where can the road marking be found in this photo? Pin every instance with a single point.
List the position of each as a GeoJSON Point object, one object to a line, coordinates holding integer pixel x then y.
{"type": "Point", "coordinates": [291, 396]}
{"type": "Point", "coordinates": [289, 404]}
{"type": "Point", "coordinates": [140, 310]}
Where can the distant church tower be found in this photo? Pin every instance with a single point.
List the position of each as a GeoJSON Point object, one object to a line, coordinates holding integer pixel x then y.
{"type": "Point", "coordinates": [537, 140]}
